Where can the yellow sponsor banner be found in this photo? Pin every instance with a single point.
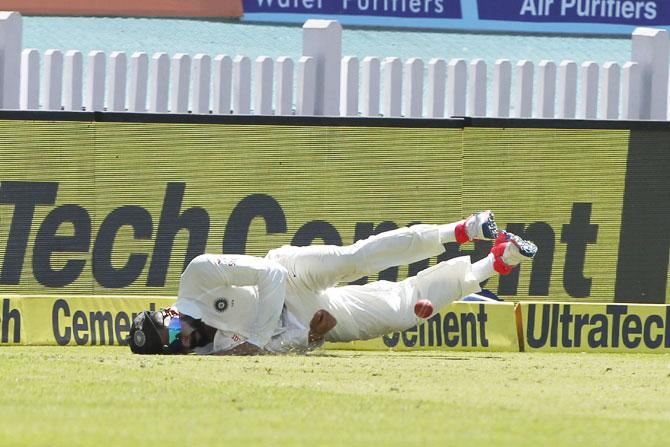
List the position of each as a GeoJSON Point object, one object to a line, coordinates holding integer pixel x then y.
{"type": "Point", "coordinates": [460, 326]}
{"type": "Point", "coordinates": [595, 327]}
{"type": "Point", "coordinates": [106, 320]}
{"type": "Point", "coordinates": [54, 320]}
{"type": "Point", "coordinates": [119, 208]}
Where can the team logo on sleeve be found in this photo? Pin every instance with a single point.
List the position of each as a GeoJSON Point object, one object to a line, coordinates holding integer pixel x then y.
{"type": "Point", "coordinates": [221, 305]}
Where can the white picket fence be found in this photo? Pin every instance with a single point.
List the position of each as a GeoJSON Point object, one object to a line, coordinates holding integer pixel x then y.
{"type": "Point", "coordinates": [322, 82]}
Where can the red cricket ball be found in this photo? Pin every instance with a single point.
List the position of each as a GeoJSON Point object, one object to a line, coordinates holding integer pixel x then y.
{"type": "Point", "coordinates": [423, 308]}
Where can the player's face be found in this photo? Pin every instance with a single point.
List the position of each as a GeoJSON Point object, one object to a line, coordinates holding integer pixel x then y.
{"type": "Point", "coordinates": [189, 337]}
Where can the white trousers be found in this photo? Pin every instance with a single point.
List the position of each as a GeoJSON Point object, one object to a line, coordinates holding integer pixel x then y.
{"type": "Point", "coordinates": [380, 307]}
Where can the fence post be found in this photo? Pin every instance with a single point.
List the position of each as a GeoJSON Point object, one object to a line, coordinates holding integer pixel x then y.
{"type": "Point", "coordinates": [349, 87]}
{"type": "Point", "coordinates": [139, 77]}
{"type": "Point", "coordinates": [241, 85]}
{"type": "Point", "coordinates": [589, 86]}
{"type": "Point", "coordinates": [223, 80]}
{"type": "Point", "coordinates": [159, 75]}
{"type": "Point", "coordinates": [457, 78]}
{"type": "Point", "coordinates": [284, 86]}
{"type": "Point", "coordinates": [524, 89]}
{"type": "Point", "coordinates": [118, 67]}
{"type": "Point", "coordinates": [201, 81]}
{"type": "Point", "coordinates": [611, 87]}
{"type": "Point", "coordinates": [477, 88]}
{"type": "Point", "coordinates": [181, 81]}
{"type": "Point", "coordinates": [30, 79]}
{"type": "Point", "coordinates": [630, 95]}
{"type": "Point", "coordinates": [264, 77]}
{"type": "Point", "coordinates": [437, 87]}
{"type": "Point", "coordinates": [567, 89]}
{"type": "Point", "coordinates": [371, 84]}
{"type": "Point", "coordinates": [650, 50]}
{"type": "Point", "coordinates": [306, 86]}
{"type": "Point", "coordinates": [11, 33]}
{"type": "Point", "coordinates": [546, 92]}
{"type": "Point", "coordinates": [502, 88]}
{"type": "Point", "coordinates": [73, 80]}
{"type": "Point", "coordinates": [392, 68]}
{"type": "Point", "coordinates": [95, 95]}
{"type": "Point", "coordinates": [413, 88]}
{"type": "Point", "coordinates": [322, 40]}
{"type": "Point", "coordinates": [53, 80]}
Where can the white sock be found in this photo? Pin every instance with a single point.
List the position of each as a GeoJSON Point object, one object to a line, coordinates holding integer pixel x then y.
{"type": "Point", "coordinates": [448, 232]}
{"type": "Point", "coordinates": [483, 269]}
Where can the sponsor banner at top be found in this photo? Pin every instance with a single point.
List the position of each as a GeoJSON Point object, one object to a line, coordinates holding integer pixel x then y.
{"type": "Point", "coordinates": [437, 9]}
{"type": "Point", "coordinates": [536, 16]}
{"type": "Point", "coordinates": [616, 12]}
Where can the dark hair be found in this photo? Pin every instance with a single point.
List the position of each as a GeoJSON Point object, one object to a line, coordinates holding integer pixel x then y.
{"type": "Point", "coordinates": [145, 337]}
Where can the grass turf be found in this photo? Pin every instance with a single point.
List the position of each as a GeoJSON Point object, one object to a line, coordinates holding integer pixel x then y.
{"type": "Point", "coordinates": [68, 396]}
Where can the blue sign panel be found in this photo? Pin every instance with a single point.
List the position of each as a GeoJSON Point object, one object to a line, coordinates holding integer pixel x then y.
{"type": "Point", "coordinates": [435, 9]}
{"type": "Point", "coordinates": [538, 16]}
{"type": "Point", "coordinates": [616, 12]}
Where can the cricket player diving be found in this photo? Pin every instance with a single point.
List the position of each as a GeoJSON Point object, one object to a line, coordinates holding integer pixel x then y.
{"type": "Point", "coordinates": [295, 298]}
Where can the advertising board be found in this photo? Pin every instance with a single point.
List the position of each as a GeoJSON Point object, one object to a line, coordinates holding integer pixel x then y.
{"type": "Point", "coordinates": [563, 327]}
{"type": "Point", "coordinates": [536, 16]}
{"type": "Point", "coordinates": [119, 206]}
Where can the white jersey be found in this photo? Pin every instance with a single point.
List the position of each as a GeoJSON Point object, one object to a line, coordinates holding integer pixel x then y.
{"type": "Point", "coordinates": [244, 296]}
{"type": "Point", "coordinates": [377, 308]}
{"type": "Point", "coordinates": [239, 295]}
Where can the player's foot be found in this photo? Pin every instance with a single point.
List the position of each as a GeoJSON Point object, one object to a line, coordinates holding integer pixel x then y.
{"type": "Point", "coordinates": [509, 250]}
{"type": "Point", "coordinates": [481, 225]}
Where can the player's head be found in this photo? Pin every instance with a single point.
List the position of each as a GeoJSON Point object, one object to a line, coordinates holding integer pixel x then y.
{"type": "Point", "coordinates": [167, 332]}
{"type": "Point", "coordinates": [150, 334]}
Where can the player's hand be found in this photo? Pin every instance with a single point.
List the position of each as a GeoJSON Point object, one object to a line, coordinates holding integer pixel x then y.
{"type": "Point", "coordinates": [321, 323]}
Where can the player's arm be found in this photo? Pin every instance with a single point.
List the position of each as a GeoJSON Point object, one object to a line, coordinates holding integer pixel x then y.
{"type": "Point", "coordinates": [231, 343]}
{"type": "Point", "coordinates": [296, 338]}
{"type": "Point", "coordinates": [322, 322]}
{"type": "Point", "coordinates": [270, 279]}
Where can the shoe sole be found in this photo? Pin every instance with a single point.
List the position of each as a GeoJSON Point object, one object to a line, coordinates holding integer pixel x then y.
{"type": "Point", "coordinates": [489, 227]}
{"type": "Point", "coordinates": [526, 248]}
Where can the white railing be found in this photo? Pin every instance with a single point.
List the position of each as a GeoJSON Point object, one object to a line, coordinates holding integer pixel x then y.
{"type": "Point", "coordinates": [322, 82]}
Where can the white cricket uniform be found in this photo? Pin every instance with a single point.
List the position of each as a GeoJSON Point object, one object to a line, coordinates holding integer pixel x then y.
{"type": "Point", "coordinates": [306, 279]}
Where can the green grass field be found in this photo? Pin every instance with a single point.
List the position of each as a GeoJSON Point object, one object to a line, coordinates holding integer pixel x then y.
{"type": "Point", "coordinates": [104, 396]}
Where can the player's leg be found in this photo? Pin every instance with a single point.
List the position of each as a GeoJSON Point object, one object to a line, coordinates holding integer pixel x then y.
{"type": "Point", "coordinates": [380, 307]}
{"type": "Point", "coordinates": [320, 266]}
{"type": "Point", "coordinates": [478, 226]}
{"type": "Point", "coordinates": [453, 279]}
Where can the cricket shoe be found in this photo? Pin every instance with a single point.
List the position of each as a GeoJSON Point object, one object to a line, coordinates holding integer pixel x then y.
{"type": "Point", "coordinates": [481, 225]}
{"type": "Point", "coordinates": [509, 250]}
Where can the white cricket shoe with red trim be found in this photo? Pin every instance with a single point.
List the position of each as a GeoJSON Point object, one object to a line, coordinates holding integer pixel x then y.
{"type": "Point", "coordinates": [478, 226]}
{"type": "Point", "coordinates": [509, 250]}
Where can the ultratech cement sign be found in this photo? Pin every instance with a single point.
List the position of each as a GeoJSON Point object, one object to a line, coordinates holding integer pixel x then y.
{"type": "Point", "coordinates": [460, 326]}
{"type": "Point", "coordinates": [85, 321]}
{"type": "Point", "coordinates": [595, 327]}
{"type": "Point", "coordinates": [543, 16]}
{"type": "Point", "coordinates": [89, 321]}
{"type": "Point", "coordinates": [104, 208]}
